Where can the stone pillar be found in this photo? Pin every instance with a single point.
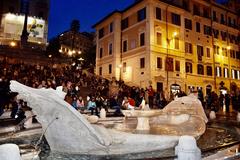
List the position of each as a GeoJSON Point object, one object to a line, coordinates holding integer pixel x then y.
{"type": "Point", "coordinates": [9, 152]}
{"type": "Point", "coordinates": [212, 115]}
{"type": "Point", "coordinates": [29, 119]}
{"type": "Point", "coordinates": [102, 113]}
{"type": "Point", "coordinates": [187, 149]}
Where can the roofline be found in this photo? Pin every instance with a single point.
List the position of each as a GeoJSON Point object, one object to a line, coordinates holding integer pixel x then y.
{"type": "Point", "coordinates": [137, 2]}
{"type": "Point", "coordinates": [106, 17]}
{"type": "Point", "coordinates": [116, 11]}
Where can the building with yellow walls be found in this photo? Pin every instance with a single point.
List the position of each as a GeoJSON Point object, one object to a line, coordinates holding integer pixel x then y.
{"type": "Point", "coordinates": [172, 45]}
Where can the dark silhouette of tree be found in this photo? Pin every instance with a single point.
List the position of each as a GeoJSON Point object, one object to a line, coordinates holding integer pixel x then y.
{"type": "Point", "coordinates": [89, 57]}
{"type": "Point", "coordinates": [53, 47]}
{"type": "Point", "coordinates": [75, 27]}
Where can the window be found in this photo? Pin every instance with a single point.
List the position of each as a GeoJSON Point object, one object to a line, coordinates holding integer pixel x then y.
{"type": "Point", "coordinates": [226, 73]}
{"type": "Point", "coordinates": [176, 43]}
{"type": "Point", "coordinates": [199, 52]}
{"type": "Point", "coordinates": [100, 52]}
{"type": "Point", "coordinates": [110, 49]}
{"type": "Point", "coordinates": [232, 54]}
{"type": "Point", "coordinates": [100, 71]}
{"type": "Point", "coordinates": [111, 27]}
{"type": "Point", "coordinates": [208, 53]}
{"type": "Point", "coordinates": [177, 66]}
{"type": "Point", "coordinates": [214, 16]}
{"type": "Point", "coordinates": [224, 35]}
{"type": "Point", "coordinates": [159, 63]}
{"type": "Point", "coordinates": [209, 70]}
{"type": "Point", "coordinates": [207, 30]}
{"type": "Point", "coordinates": [125, 46]}
{"type": "Point", "coordinates": [169, 64]}
{"type": "Point", "coordinates": [216, 49]}
{"type": "Point", "coordinates": [222, 19]}
{"type": "Point", "coordinates": [142, 39]}
{"type": "Point", "coordinates": [224, 52]}
{"type": "Point", "coordinates": [200, 69]}
{"type": "Point", "coordinates": [188, 47]}
{"type": "Point", "coordinates": [101, 33]}
{"type": "Point", "coordinates": [198, 27]}
{"type": "Point", "coordinates": [109, 68]}
{"type": "Point", "coordinates": [188, 24]}
{"type": "Point", "coordinates": [233, 74]}
{"type": "Point", "coordinates": [238, 75]}
{"type": "Point", "coordinates": [237, 55]}
{"type": "Point", "coordinates": [229, 21]}
{"type": "Point", "coordinates": [206, 13]}
{"type": "Point", "coordinates": [158, 13]}
{"type": "Point", "coordinates": [218, 72]}
{"type": "Point", "coordinates": [124, 23]}
{"type": "Point", "coordinates": [142, 62]}
{"type": "Point", "coordinates": [215, 33]}
{"type": "Point", "coordinates": [141, 14]}
{"type": "Point", "coordinates": [196, 9]}
{"type": "Point", "coordinates": [188, 67]}
{"type": "Point", "coordinates": [159, 38]}
{"type": "Point", "coordinates": [176, 19]}
{"type": "Point", "coordinates": [124, 67]}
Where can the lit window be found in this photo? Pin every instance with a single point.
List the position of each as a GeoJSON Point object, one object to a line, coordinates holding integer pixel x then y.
{"type": "Point", "coordinates": [233, 74]}
{"type": "Point", "coordinates": [225, 73]}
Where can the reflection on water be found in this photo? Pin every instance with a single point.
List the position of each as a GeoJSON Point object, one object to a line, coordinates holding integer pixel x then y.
{"type": "Point", "coordinates": [216, 135]}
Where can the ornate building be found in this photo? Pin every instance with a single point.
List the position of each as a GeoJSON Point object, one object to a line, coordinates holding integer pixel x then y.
{"type": "Point", "coordinates": [75, 43]}
{"type": "Point", "coordinates": [12, 22]}
{"type": "Point", "coordinates": [172, 45]}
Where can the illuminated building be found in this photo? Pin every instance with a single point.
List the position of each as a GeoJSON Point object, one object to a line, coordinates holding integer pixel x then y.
{"type": "Point", "coordinates": [172, 45]}
{"type": "Point", "coordinates": [12, 21]}
{"type": "Point", "coordinates": [75, 43]}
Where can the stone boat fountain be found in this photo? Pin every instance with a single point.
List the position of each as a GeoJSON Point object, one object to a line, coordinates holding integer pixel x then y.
{"type": "Point", "coordinates": [68, 131]}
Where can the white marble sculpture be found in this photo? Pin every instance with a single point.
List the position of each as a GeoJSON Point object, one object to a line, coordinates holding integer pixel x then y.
{"type": "Point", "coordinates": [183, 116]}
{"type": "Point", "coordinates": [66, 130]}
{"type": "Point", "coordinates": [9, 152]}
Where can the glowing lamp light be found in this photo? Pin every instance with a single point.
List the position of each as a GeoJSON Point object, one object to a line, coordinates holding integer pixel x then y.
{"type": "Point", "coordinates": [175, 34]}
{"type": "Point", "coordinates": [81, 59]}
{"type": "Point", "coordinates": [50, 56]}
{"type": "Point", "coordinates": [79, 52]}
{"type": "Point", "coordinates": [70, 53]}
{"type": "Point", "coordinates": [39, 42]}
{"type": "Point", "coordinates": [73, 51]}
{"type": "Point", "coordinates": [120, 65]}
{"type": "Point", "coordinates": [60, 50]}
{"type": "Point", "coordinates": [228, 47]}
{"type": "Point", "coordinates": [13, 44]}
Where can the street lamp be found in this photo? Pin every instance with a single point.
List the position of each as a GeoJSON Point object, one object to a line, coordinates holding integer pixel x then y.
{"type": "Point", "coordinates": [13, 44]}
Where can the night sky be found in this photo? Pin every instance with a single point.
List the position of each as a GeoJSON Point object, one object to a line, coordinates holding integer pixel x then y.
{"type": "Point", "coordinates": [88, 12]}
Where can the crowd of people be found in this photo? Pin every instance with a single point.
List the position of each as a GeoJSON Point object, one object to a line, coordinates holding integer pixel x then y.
{"type": "Point", "coordinates": [103, 93]}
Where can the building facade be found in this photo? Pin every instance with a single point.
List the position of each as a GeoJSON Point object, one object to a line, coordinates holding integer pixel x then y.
{"type": "Point", "coordinates": [75, 43]}
{"type": "Point", "coordinates": [12, 22]}
{"type": "Point", "coordinates": [171, 45]}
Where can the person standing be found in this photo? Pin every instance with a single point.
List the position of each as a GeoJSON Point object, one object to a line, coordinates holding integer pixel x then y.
{"type": "Point", "coordinates": [150, 96]}
{"type": "Point", "coordinates": [227, 102]}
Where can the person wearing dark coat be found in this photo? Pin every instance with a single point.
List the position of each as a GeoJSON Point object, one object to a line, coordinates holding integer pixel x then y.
{"type": "Point", "coordinates": [227, 102]}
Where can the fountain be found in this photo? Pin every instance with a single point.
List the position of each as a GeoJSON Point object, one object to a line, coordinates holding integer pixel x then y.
{"type": "Point", "coordinates": [183, 116]}
{"type": "Point", "coordinates": [69, 134]}
{"type": "Point", "coordinates": [68, 131]}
